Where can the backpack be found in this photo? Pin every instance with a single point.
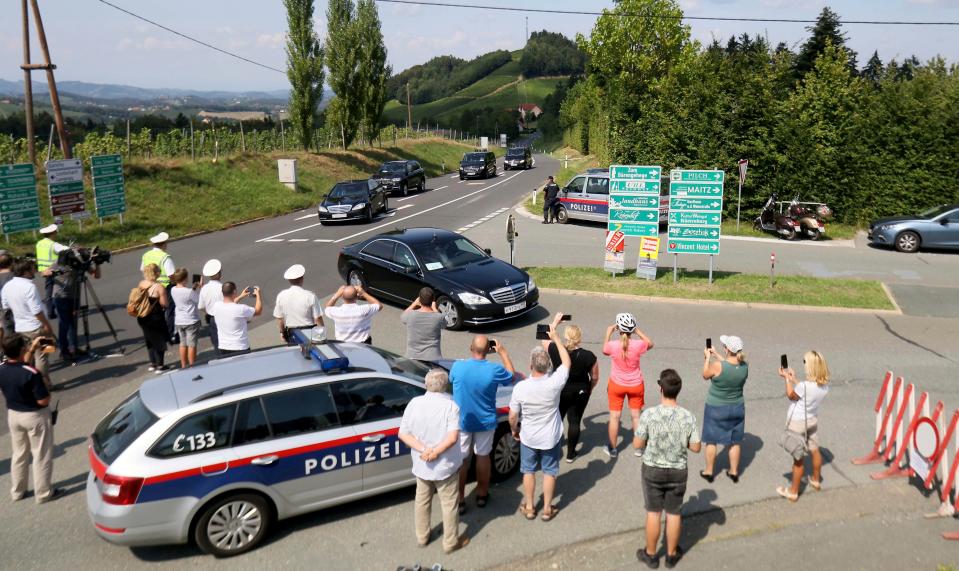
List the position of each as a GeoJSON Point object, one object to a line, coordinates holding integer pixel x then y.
{"type": "Point", "coordinates": [139, 304]}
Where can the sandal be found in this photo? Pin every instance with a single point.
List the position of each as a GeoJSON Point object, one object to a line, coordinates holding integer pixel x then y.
{"type": "Point", "coordinates": [784, 492]}
{"type": "Point", "coordinates": [530, 513]}
{"type": "Point", "coordinates": [708, 477]}
{"type": "Point", "coordinates": [550, 513]}
{"type": "Point", "coordinates": [461, 508]}
{"type": "Point", "coordinates": [733, 477]}
{"type": "Point", "coordinates": [481, 501]}
{"type": "Point", "coordinates": [816, 485]}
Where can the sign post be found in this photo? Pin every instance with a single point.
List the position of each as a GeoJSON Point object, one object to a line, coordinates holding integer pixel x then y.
{"type": "Point", "coordinates": [19, 204]}
{"type": "Point", "coordinates": [634, 204]}
{"type": "Point", "coordinates": [65, 186]}
{"type": "Point", "coordinates": [108, 186]}
{"type": "Point", "coordinates": [695, 213]}
{"type": "Point", "coordinates": [511, 235]}
{"type": "Point", "coordinates": [743, 165]}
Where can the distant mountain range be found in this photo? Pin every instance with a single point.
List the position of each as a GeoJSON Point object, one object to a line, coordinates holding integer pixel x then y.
{"type": "Point", "coordinates": [128, 92]}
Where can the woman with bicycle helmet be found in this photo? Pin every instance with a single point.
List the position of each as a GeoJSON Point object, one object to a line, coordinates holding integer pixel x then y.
{"type": "Point", "coordinates": [625, 376]}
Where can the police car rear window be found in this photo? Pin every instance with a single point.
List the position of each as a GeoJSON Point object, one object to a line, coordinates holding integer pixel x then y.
{"type": "Point", "coordinates": [120, 428]}
{"type": "Point", "coordinates": [203, 431]}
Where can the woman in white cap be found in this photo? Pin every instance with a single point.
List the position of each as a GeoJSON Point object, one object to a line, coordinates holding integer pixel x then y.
{"type": "Point", "coordinates": [724, 420]}
{"type": "Point", "coordinates": [625, 377]}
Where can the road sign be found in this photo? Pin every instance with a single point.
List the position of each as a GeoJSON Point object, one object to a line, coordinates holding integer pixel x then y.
{"type": "Point", "coordinates": [635, 172]}
{"type": "Point", "coordinates": [19, 204]}
{"type": "Point", "coordinates": [635, 228]}
{"type": "Point", "coordinates": [634, 215]}
{"type": "Point", "coordinates": [634, 186]}
{"type": "Point", "coordinates": [615, 252]}
{"type": "Point", "coordinates": [634, 199]}
{"type": "Point", "coordinates": [648, 256]}
{"type": "Point", "coordinates": [108, 185]}
{"type": "Point", "coordinates": [695, 212]}
{"type": "Point", "coordinates": [65, 186]}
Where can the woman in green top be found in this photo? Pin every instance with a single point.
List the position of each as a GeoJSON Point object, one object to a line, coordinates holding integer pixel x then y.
{"type": "Point", "coordinates": [724, 420]}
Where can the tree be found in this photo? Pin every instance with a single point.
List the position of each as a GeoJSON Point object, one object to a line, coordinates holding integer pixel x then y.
{"type": "Point", "coordinates": [343, 62]}
{"type": "Point", "coordinates": [827, 30]}
{"type": "Point", "coordinates": [550, 53]}
{"type": "Point", "coordinates": [373, 70]}
{"type": "Point", "coordinates": [304, 68]}
{"type": "Point", "coordinates": [873, 71]}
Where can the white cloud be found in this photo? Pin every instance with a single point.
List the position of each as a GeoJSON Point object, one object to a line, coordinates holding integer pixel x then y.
{"type": "Point", "coordinates": [152, 43]}
{"type": "Point", "coordinates": [404, 10]}
{"type": "Point", "coordinates": [272, 41]}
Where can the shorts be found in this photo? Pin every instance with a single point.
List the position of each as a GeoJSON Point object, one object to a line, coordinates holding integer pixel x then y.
{"type": "Point", "coordinates": [481, 442]}
{"type": "Point", "coordinates": [533, 459]}
{"type": "Point", "coordinates": [724, 424]}
{"type": "Point", "coordinates": [664, 489]}
{"type": "Point", "coordinates": [800, 427]}
{"type": "Point", "coordinates": [189, 334]}
{"type": "Point", "coordinates": [618, 393]}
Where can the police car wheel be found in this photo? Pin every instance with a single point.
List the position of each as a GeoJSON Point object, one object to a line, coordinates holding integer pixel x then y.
{"type": "Point", "coordinates": [562, 216]}
{"type": "Point", "coordinates": [233, 525]}
{"type": "Point", "coordinates": [505, 454]}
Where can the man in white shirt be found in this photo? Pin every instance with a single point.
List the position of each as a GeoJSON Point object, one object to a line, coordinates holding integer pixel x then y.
{"type": "Point", "coordinates": [232, 319]}
{"type": "Point", "coordinates": [536, 423]}
{"type": "Point", "coordinates": [21, 296]}
{"type": "Point", "coordinates": [296, 308]}
{"type": "Point", "coordinates": [430, 427]}
{"type": "Point", "coordinates": [353, 322]}
{"type": "Point", "coordinates": [211, 294]}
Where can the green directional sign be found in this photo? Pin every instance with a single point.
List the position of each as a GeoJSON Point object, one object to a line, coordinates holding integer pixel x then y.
{"type": "Point", "coordinates": [694, 218]}
{"type": "Point", "coordinates": [693, 232]}
{"type": "Point", "coordinates": [66, 188]}
{"type": "Point", "coordinates": [17, 193]}
{"type": "Point", "coordinates": [635, 172]}
{"type": "Point", "coordinates": [634, 228]}
{"type": "Point", "coordinates": [21, 225]}
{"type": "Point", "coordinates": [16, 216]}
{"type": "Point", "coordinates": [17, 181]}
{"type": "Point", "coordinates": [633, 201]}
{"type": "Point", "coordinates": [694, 190]}
{"type": "Point", "coordinates": [22, 169]}
{"type": "Point", "coordinates": [684, 246]}
{"type": "Point", "coordinates": [680, 175]}
{"type": "Point", "coordinates": [19, 203]}
{"type": "Point", "coordinates": [695, 204]}
{"type": "Point", "coordinates": [108, 185]}
{"type": "Point", "coordinates": [634, 215]}
{"type": "Point", "coordinates": [635, 186]}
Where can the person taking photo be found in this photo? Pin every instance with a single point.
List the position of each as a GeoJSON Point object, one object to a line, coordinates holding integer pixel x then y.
{"type": "Point", "coordinates": [724, 417]}
{"type": "Point", "coordinates": [626, 377]}
{"type": "Point", "coordinates": [802, 418]}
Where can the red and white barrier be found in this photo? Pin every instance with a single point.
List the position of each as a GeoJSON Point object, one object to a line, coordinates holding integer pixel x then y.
{"type": "Point", "coordinates": [915, 442]}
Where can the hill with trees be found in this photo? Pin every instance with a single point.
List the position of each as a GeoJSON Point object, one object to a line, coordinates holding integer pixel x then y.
{"type": "Point", "coordinates": [551, 54]}
{"type": "Point", "coordinates": [443, 76]}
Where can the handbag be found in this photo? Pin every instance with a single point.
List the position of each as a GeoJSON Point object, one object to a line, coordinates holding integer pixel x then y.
{"type": "Point", "coordinates": [795, 444]}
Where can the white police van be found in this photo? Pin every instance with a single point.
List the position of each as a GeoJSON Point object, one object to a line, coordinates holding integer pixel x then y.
{"type": "Point", "coordinates": [216, 454]}
{"type": "Point", "coordinates": [586, 197]}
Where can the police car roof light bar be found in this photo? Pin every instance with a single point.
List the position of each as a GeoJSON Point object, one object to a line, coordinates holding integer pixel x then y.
{"type": "Point", "coordinates": [329, 357]}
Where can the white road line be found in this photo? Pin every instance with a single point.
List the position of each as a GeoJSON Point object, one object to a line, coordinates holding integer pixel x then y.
{"type": "Point", "coordinates": [270, 238]}
{"type": "Point", "coordinates": [404, 206]}
{"type": "Point", "coordinates": [305, 217]}
{"type": "Point", "coordinates": [375, 228]}
{"type": "Point", "coordinates": [298, 240]}
{"type": "Point", "coordinates": [323, 241]}
{"type": "Point", "coordinates": [474, 183]}
{"type": "Point", "coordinates": [454, 176]}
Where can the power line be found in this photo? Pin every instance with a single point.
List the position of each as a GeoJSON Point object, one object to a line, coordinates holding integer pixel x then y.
{"type": "Point", "coordinates": [192, 39]}
{"type": "Point", "coordinates": [660, 16]}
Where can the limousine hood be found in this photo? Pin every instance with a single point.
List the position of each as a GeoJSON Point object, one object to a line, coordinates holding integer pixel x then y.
{"type": "Point", "coordinates": [481, 277]}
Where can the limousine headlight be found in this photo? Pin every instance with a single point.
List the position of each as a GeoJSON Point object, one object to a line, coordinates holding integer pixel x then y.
{"type": "Point", "coordinates": [531, 285]}
{"type": "Point", "coordinates": [472, 299]}
{"type": "Point", "coordinates": [321, 208]}
{"type": "Point", "coordinates": [359, 206]}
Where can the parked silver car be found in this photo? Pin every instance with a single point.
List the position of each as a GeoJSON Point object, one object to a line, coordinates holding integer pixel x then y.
{"type": "Point", "coordinates": [933, 228]}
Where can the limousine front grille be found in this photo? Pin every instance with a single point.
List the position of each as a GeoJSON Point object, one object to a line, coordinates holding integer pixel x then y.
{"type": "Point", "coordinates": [509, 294]}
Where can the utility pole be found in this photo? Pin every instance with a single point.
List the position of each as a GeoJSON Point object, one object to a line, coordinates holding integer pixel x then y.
{"type": "Point", "coordinates": [409, 108]}
{"type": "Point", "coordinates": [27, 67]}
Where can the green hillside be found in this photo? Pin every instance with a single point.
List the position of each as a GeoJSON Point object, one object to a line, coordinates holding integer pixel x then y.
{"type": "Point", "coordinates": [503, 88]}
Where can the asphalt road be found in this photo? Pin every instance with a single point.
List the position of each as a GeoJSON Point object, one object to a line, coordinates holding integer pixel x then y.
{"type": "Point", "coordinates": [259, 252]}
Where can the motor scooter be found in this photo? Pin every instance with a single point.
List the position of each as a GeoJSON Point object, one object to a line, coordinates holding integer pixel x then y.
{"type": "Point", "coordinates": [777, 223]}
{"type": "Point", "coordinates": [811, 223]}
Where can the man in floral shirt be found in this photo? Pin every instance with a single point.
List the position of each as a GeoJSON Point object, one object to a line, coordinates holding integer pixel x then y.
{"type": "Point", "coordinates": [666, 432]}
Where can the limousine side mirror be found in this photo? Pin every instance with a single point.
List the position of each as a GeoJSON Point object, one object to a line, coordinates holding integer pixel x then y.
{"type": "Point", "coordinates": [488, 251]}
{"type": "Point", "coordinates": [411, 269]}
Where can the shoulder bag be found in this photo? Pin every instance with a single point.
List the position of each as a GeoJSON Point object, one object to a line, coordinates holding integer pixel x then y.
{"type": "Point", "coordinates": [795, 444]}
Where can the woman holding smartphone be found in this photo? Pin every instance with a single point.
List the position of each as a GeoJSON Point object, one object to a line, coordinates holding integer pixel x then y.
{"type": "Point", "coordinates": [803, 417]}
{"type": "Point", "coordinates": [625, 377]}
{"type": "Point", "coordinates": [724, 418]}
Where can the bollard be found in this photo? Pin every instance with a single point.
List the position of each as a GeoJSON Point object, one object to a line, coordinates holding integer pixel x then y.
{"type": "Point", "coordinates": [565, 161]}
{"type": "Point", "coordinates": [772, 269]}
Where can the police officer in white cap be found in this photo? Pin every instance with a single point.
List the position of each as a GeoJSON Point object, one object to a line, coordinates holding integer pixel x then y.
{"type": "Point", "coordinates": [158, 255]}
{"type": "Point", "coordinates": [211, 294]}
{"type": "Point", "coordinates": [296, 308]}
{"type": "Point", "coordinates": [48, 252]}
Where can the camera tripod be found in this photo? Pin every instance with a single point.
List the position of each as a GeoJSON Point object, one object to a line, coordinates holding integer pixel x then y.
{"type": "Point", "coordinates": [85, 293]}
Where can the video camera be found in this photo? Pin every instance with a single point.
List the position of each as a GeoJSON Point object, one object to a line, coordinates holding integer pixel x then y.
{"type": "Point", "coordinates": [81, 259]}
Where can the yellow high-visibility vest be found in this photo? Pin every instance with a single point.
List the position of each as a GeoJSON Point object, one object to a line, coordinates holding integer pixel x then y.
{"type": "Point", "coordinates": [46, 255]}
{"type": "Point", "coordinates": [158, 257]}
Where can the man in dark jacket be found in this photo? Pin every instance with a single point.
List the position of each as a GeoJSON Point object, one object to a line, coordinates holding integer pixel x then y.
{"type": "Point", "coordinates": [550, 201]}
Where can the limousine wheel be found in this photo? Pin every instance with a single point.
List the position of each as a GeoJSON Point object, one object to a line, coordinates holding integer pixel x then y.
{"type": "Point", "coordinates": [505, 455]}
{"type": "Point", "coordinates": [233, 525]}
{"type": "Point", "coordinates": [446, 306]}
{"type": "Point", "coordinates": [562, 216]}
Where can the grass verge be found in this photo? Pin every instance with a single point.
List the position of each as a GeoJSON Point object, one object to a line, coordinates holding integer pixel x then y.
{"type": "Point", "coordinates": [834, 231]}
{"type": "Point", "coordinates": [181, 196]}
{"type": "Point", "coordinates": [726, 286]}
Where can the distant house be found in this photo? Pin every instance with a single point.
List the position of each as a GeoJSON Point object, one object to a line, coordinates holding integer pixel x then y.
{"type": "Point", "coordinates": [530, 110]}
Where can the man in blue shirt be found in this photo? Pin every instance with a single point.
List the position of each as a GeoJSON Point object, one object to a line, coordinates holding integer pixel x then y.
{"type": "Point", "coordinates": [475, 381]}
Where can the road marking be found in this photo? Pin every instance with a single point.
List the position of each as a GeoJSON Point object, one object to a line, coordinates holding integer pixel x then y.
{"type": "Point", "coordinates": [404, 206]}
{"type": "Point", "coordinates": [323, 241]}
{"type": "Point", "coordinates": [298, 240]}
{"type": "Point", "coordinates": [367, 231]}
{"type": "Point", "coordinates": [270, 238]}
{"type": "Point", "coordinates": [305, 217]}
{"type": "Point", "coordinates": [475, 183]}
{"type": "Point", "coordinates": [454, 176]}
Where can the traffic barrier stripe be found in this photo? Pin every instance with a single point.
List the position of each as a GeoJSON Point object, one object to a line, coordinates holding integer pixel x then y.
{"type": "Point", "coordinates": [882, 420]}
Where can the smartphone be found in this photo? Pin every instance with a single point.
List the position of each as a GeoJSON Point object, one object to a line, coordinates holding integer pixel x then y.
{"type": "Point", "coordinates": [783, 362]}
{"type": "Point", "coordinates": [45, 341]}
{"type": "Point", "coordinates": [566, 317]}
{"type": "Point", "coordinates": [709, 342]}
{"type": "Point", "coordinates": [491, 346]}
{"type": "Point", "coordinates": [196, 278]}
{"type": "Point", "coordinates": [542, 331]}
{"type": "Point", "coordinates": [248, 291]}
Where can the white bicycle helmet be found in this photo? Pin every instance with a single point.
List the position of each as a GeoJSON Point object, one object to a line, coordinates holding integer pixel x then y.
{"type": "Point", "coordinates": [625, 322]}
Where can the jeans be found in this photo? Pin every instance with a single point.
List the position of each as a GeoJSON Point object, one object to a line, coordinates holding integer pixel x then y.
{"type": "Point", "coordinates": [67, 326]}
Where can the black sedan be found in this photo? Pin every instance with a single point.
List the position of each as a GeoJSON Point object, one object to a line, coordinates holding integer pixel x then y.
{"type": "Point", "coordinates": [401, 177]}
{"type": "Point", "coordinates": [353, 199]}
{"type": "Point", "coordinates": [472, 287]}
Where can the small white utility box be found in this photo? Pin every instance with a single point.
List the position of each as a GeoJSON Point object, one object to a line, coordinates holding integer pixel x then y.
{"type": "Point", "coordinates": [287, 170]}
{"type": "Point", "coordinates": [484, 143]}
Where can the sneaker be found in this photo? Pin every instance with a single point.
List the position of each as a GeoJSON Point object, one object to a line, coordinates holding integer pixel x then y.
{"type": "Point", "coordinates": [610, 451]}
{"type": "Point", "coordinates": [638, 452]}
{"type": "Point", "coordinates": [571, 456]}
{"type": "Point", "coordinates": [651, 561]}
{"type": "Point", "coordinates": [151, 368]}
{"type": "Point", "coordinates": [672, 560]}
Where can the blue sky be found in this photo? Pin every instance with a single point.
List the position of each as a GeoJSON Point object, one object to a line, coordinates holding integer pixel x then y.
{"type": "Point", "coordinates": [93, 42]}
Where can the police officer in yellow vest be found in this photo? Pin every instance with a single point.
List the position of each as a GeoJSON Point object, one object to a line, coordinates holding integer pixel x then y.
{"type": "Point", "coordinates": [158, 255]}
{"type": "Point", "coordinates": [48, 250]}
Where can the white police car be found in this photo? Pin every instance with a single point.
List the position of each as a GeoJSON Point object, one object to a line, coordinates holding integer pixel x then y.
{"type": "Point", "coordinates": [217, 453]}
